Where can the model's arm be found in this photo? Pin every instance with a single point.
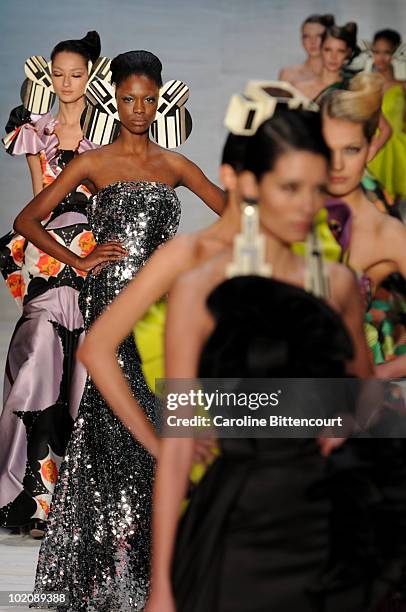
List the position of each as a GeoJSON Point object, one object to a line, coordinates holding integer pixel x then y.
{"type": "Point", "coordinates": [193, 178]}
{"type": "Point", "coordinates": [398, 246]}
{"type": "Point", "coordinates": [353, 316]}
{"type": "Point", "coordinates": [34, 165]}
{"type": "Point", "coordinates": [346, 294]}
{"type": "Point", "coordinates": [392, 369]}
{"type": "Point", "coordinates": [175, 454]}
{"type": "Point", "coordinates": [28, 222]}
{"type": "Point", "coordinates": [98, 352]}
{"type": "Point", "coordinates": [385, 132]}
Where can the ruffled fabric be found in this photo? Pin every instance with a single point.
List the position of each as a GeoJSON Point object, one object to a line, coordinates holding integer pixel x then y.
{"type": "Point", "coordinates": [27, 270]}
{"type": "Point", "coordinates": [339, 222]}
{"type": "Point", "coordinates": [330, 248]}
{"type": "Point", "coordinates": [33, 134]}
{"type": "Point", "coordinates": [246, 344]}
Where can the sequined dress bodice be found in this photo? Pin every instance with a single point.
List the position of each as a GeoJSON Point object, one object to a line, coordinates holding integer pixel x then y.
{"type": "Point", "coordinates": [139, 214]}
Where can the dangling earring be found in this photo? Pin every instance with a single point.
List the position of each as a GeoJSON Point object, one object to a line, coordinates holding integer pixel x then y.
{"type": "Point", "coordinates": [249, 246]}
{"type": "Point", "coordinates": [316, 278]}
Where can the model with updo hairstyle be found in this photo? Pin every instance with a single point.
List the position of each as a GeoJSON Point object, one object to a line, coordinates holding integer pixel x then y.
{"type": "Point", "coordinates": [312, 30]}
{"type": "Point", "coordinates": [136, 62]}
{"type": "Point", "coordinates": [388, 166]}
{"type": "Point", "coordinates": [338, 44]}
{"type": "Point", "coordinates": [377, 240]}
{"type": "Point", "coordinates": [325, 20]}
{"type": "Point", "coordinates": [360, 103]}
{"type": "Point", "coordinates": [238, 326]}
{"type": "Point", "coordinates": [346, 33]}
{"type": "Point", "coordinates": [42, 374]}
{"type": "Point", "coordinates": [89, 47]}
{"type": "Point", "coordinates": [286, 132]}
{"type": "Point", "coordinates": [135, 210]}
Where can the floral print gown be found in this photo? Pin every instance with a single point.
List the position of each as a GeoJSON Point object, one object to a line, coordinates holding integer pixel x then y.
{"type": "Point", "coordinates": [43, 384]}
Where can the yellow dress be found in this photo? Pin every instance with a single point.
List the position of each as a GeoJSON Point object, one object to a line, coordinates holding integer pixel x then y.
{"type": "Point", "coordinates": [388, 167]}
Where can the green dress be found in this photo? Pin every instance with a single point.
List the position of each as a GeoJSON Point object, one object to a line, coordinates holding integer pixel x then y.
{"type": "Point", "coordinates": [388, 167]}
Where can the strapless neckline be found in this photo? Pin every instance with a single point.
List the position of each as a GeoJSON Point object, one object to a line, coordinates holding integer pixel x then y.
{"type": "Point", "coordinates": [135, 182]}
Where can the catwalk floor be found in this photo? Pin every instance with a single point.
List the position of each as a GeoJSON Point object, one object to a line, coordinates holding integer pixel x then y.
{"type": "Point", "coordinates": [18, 557]}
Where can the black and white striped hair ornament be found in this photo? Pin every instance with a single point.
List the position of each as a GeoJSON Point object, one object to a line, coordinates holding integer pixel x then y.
{"type": "Point", "coordinates": [170, 129]}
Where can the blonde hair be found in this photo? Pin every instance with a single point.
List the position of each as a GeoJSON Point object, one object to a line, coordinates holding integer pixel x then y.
{"type": "Point", "coordinates": [360, 103]}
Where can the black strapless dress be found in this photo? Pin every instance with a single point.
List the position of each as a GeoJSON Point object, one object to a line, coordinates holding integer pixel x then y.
{"type": "Point", "coordinates": [258, 533]}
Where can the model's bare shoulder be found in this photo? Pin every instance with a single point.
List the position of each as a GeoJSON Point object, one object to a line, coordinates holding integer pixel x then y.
{"type": "Point", "coordinates": [204, 278]}
{"type": "Point", "coordinates": [175, 160]}
{"type": "Point", "coordinates": [392, 234]}
{"type": "Point", "coordinates": [291, 73]}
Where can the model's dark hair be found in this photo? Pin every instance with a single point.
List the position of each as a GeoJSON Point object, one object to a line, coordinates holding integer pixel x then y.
{"type": "Point", "coordinates": [287, 130]}
{"type": "Point", "coordinates": [88, 47]}
{"type": "Point", "coordinates": [393, 37]}
{"type": "Point", "coordinates": [136, 62]}
{"type": "Point", "coordinates": [234, 151]}
{"type": "Point", "coordinates": [347, 33]}
{"type": "Point", "coordinates": [324, 20]}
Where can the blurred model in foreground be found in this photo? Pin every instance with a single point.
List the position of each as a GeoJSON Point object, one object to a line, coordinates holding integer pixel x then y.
{"type": "Point", "coordinates": [254, 536]}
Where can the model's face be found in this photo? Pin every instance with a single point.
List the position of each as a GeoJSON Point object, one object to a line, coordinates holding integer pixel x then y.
{"type": "Point", "coordinates": [292, 193]}
{"type": "Point", "coordinates": [334, 53]}
{"type": "Point", "coordinates": [349, 154]}
{"type": "Point", "coordinates": [311, 38]}
{"type": "Point", "coordinates": [137, 101]}
{"type": "Point", "coordinates": [383, 52]}
{"type": "Point", "coordinates": [69, 76]}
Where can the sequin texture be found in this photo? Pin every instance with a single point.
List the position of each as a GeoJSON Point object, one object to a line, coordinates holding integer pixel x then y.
{"type": "Point", "coordinates": [97, 545]}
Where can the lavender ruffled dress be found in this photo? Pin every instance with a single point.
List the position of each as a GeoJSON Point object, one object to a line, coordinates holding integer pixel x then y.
{"type": "Point", "coordinates": [43, 384]}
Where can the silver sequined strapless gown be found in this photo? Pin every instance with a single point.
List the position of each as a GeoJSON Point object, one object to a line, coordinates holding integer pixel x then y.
{"type": "Point", "coordinates": [97, 546]}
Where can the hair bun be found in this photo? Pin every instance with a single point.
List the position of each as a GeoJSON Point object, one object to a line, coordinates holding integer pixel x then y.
{"type": "Point", "coordinates": [92, 44]}
{"type": "Point", "coordinates": [328, 20]}
{"type": "Point", "coordinates": [361, 103]}
{"type": "Point", "coordinates": [352, 29]}
{"type": "Point", "coordinates": [136, 62]}
{"type": "Point", "coordinates": [370, 86]}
